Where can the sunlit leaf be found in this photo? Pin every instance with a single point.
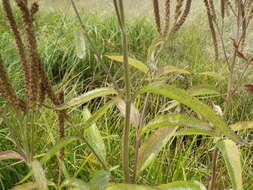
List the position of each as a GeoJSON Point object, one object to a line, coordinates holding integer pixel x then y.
{"type": "Point", "coordinates": [94, 137]}
{"type": "Point", "coordinates": [80, 44]}
{"type": "Point", "coordinates": [184, 132]}
{"type": "Point", "coordinates": [203, 90]}
{"type": "Point", "coordinates": [153, 145]}
{"type": "Point", "coordinates": [39, 175]}
{"type": "Point", "coordinates": [172, 69]}
{"type": "Point", "coordinates": [100, 180]}
{"type": "Point", "coordinates": [183, 185]}
{"type": "Point", "coordinates": [25, 186]}
{"type": "Point", "coordinates": [213, 74]}
{"type": "Point", "coordinates": [133, 62]}
{"type": "Point", "coordinates": [129, 187]}
{"type": "Point", "coordinates": [180, 120]}
{"type": "Point", "coordinates": [231, 155]}
{"type": "Point", "coordinates": [76, 183]}
{"type": "Point", "coordinates": [196, 105]}
{"type": "Point", "coordinates": [242, 125]}
{"type": "Point", "coordinates": [9, 154]}
{"type": "Point", "coordinates": [134, 113]}
{"type": "Point", "coordinates": [86, 97]}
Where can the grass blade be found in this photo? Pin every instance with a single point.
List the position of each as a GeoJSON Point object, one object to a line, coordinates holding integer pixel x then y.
{"type": "Point", "coordinates": [86, 97]}
{"type": "Point", "coordinates": [39, 175]}
{"type": "Point", "coordinates": [76, 183]}
{"type": "Point", "coordinates": [172, 69]}
{"type": "Point", "coordinates": [231, 155]}
{"type": "Point", "coordinates": [203, 90]}
{"type": "Point", "coordinates": [129, 187]}
{"type": "Point", "coordinates": [9, 154]}
{"type": "Point", "coordinates": [133, 62]}
{"type": "Point", "coordinates": [242, 125]}
{"type": "Point", "coordinates": [183, 185]}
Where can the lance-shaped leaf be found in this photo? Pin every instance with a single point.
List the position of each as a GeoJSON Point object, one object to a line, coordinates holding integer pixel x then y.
{"type": "Point", "coordinates": [86, 97]}
{"type": "Point", "coordinates": [213, 74]}
{"type": "Point", "coordinates": [153, 145]}
{"type": "Point", "coordinates": [203, 90]}
{"type": "Point", "coordinates": [134, 113]}
{"type": "Point", "coordinates": [9, 154]}
{"type": "Point", "coordinates": [193, 103]}
{"type": "Point", "coordinates": [25, 186]}
{"type": "Point", "coordinates": [133, 62]}
{"type": "Point", "coordinates": [39, 175]}
{"type": "Point", "coordinates": [184, 132]}
{"type": "Point", "coordinates": [94, 137]}
{"type": "Point", "coordinates": [129, 187]}
{"type": "Point", "coordinates": [180, 120]}
{"type": "Point", "coordinates": [76, 183]}
{"type": "Point", "coordinates": [231, 155]}
{"type": "Point", "coordinates": [100, 180]}
{"type": "Point", "coordinates": [242, 125]}
{"type": "Point", "coordinates": [80, 44]}
{"type": "Point", "coordinates": [171, 69]}
{"type": "Point", "coordinates": [183, 185]}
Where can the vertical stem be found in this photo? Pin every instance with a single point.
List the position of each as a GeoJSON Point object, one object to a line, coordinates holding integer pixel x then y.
{"type": "Point", "coordinates": [119, 7]}
{"type": "Point", "coordinates": [213, 177]}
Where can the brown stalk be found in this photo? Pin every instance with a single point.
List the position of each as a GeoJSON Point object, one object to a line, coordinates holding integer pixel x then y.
{"type": "Point", "coordinates": [213, 176]}
{"type": "Point", "coordinates": [18, 40]}
{"type": "Point", "coordinates": [211, 26]}
{"type": "Point", "coordinates": [157, 15]}
{"type": "Point", "coordinates": [34, 9]}
{"type": "Point", "coordinates": [61, 118]}
{"type": "Point", "coordinates": [223, 8]}
{"type": "Point", "coordinates": [182, 19]}
{"type": "Point", "coordinates": [212, 9]}
{"type": "Point", "coordinates": [166, 18]}
{"type": "Point", "coordinates": [178, 9]}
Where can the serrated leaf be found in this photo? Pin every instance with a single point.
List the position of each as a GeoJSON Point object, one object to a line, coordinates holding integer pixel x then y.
{"type": "Point", "coordinates": [242, 125]}
{"type": "Point", "coordinates": [80, 44]}
{"type": "Point", "coordinates": [86, 97]}
{"type": "Point", "coordinates": [231, 155]}
{"type": "Point", "coordinates": [25, 186]}
{"type": "Point", "coordinates": [172, 69]}
{"type": "Point", "coordinates": [133, 62]}
{"type": "Point", "coordinates": [184, 132]}
{"type": "Point", "coordinates": [75, 183]}
{"type": "Point", "coordinates": [9, 154]}
{"type": "Point", "coordinates": [213, 74]}
{"type": "Point", "coordinates": [179, 120]}
{"type": "Point", "coordinates": [39, 175]}
{"type": "Point", "coordinates": [183, 185]}
{"type": "Point", "coordinates": [153, 145]}
{"type": "Point", "coordinates": [129, 187]}
{"type": "Point", "coordinates": [134, 113]}
{"type": "Point", "coordinates": [185, 98]}
{"type": "Point", "coordinates": [94, 137]}
{"type": "Point", "coordinates": [203, 90]}
{"type": "Point", "coordinates": [100, 180]}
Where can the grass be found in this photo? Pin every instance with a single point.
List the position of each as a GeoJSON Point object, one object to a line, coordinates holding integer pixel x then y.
{"type": "Point", "coordinates": [183, 158]}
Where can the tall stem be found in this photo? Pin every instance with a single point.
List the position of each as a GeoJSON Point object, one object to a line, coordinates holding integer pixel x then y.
{"type": "Point", "coordinates": [119, 7]}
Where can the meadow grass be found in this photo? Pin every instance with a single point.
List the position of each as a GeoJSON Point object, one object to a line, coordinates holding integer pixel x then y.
{"type": "Point", "coordinates": [183, 158]}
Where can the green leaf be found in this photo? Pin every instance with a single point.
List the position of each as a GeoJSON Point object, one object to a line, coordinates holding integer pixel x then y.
{"type": "Point", "coordinates": [60, 144]}
{"type": "Point", "coordinates": [133, 62]}
{"type": "Point", "coordinates": [129, 187]}
{"type": "Point", "coordinates": [86, 97]}
{"type": "Point", "coordinates": [9, 154]}
{"type": "Point", "coordinates": [153, 145]}
{"type": "Point", "coordinates": [213, 74]}
{"type": "Point", "coordinates": [196, 105]}
{"type": "Point", "coordinates": [76, 183]}
{"type": "Point", "coordinates": [242, 125]}
{"type": "Point", "coordinates": [183, 185]}
{"type": "Point", "coordinates": [100, 180]}
{"type": "Point", "coordinates": [39, 175]}
{"type": "Point", "coordinates": [231, 155]}
{"type": "Point", "coordinates": [25, 186]}
{"type": "Point", "coordinates": [172, 69]}
{"type": "Point", "coordinates": [184, 132]}
{"type": "Point", "coordinates": [203, 90]}
{"type": "Point", "coordinates": [94, 137]}
{"type": "Point", "coordinates": [98, 114]}
{"type": "Point", "coordinates": [176, 120]}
